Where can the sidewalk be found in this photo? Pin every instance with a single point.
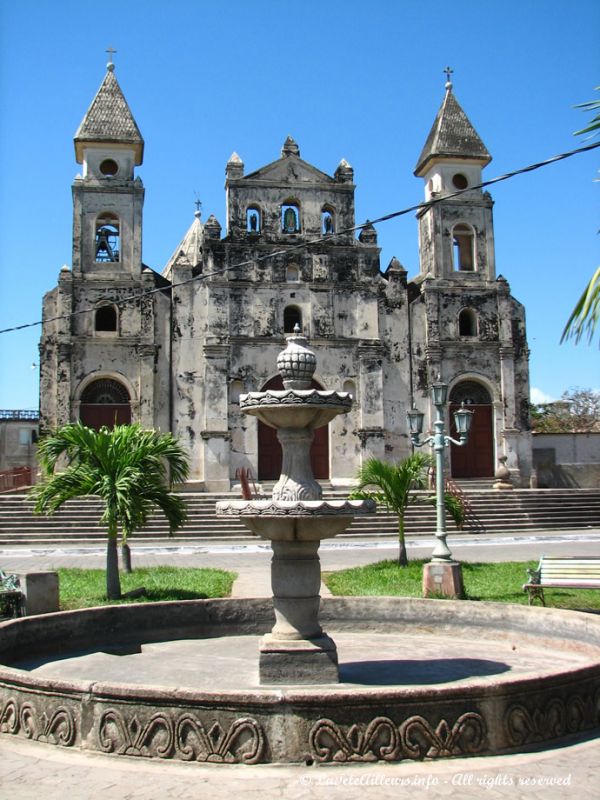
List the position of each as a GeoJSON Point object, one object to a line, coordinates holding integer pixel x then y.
{"type": "Point", "coordinates": [29, 770]}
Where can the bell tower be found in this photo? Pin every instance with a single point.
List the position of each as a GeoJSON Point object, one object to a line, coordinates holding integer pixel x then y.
{"type": "Point", "coordinates": [456, 235]}
{"type": "Point", "coordinates": [107, 197]}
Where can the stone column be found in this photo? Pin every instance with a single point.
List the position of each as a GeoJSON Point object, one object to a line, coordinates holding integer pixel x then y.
{"type": "Point", "coordinates": [147, 354]}
{"type": "Point", "coordinates": [371, 392]}
{"type": "Point", "coordinates": [215, 433]}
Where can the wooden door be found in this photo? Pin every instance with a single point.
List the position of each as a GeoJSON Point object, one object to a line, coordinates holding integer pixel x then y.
{"type": "Point", "coordinates": [269, 449]}
{"type": "Point", "coordinates": [476, 458]}
{"type": "Point", "coordinates": [95, 415]}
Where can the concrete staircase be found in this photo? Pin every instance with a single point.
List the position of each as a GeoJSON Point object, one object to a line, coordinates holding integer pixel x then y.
{"type": "Point", "coordinates": [491, 512]}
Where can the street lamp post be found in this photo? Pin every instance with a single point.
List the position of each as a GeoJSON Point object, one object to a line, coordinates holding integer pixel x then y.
{"type": "Point", "coordinates": [442, 575]}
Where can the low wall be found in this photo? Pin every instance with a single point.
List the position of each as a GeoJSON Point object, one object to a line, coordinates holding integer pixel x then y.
{"type": "Point", "coordinates": [567, 460]}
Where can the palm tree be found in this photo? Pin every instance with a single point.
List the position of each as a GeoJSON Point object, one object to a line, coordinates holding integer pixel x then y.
{"type": "Point", "coordinates": [392, 486]}
{"type": "Point", "coordinates": [130, 469]}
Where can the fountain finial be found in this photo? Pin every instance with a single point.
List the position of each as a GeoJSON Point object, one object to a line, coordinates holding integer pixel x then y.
{"type": "Point", "coordinates": [296, 363]}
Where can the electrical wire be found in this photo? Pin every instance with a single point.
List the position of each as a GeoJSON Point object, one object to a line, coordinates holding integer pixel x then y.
{"type": "Point", "coordinates": [305, 245]}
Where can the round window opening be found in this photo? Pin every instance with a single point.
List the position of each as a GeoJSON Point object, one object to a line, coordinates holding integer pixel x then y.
{"type": "Point", "coordinates": [109, 167]}
{"type": "Point", "coordinates": [459, 181]}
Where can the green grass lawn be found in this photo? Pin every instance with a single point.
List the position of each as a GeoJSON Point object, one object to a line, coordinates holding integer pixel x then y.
{"type": "Point", "coordinates": [501, 583]}
{"type": "Point", "coordinates": [82, 588]}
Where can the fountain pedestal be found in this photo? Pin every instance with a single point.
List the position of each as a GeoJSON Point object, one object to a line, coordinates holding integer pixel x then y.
{"type": "Point", "coordinates": [297, 650]}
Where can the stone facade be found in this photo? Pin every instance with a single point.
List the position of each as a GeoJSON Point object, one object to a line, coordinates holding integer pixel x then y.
{"type": "Point", "coordinates": [211, 328]}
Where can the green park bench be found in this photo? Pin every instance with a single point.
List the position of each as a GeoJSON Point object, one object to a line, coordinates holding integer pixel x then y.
{"type": "Point", "coordinates": [563, 572]}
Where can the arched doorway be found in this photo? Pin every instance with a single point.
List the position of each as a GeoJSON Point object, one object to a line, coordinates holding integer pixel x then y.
{"type": "Point", "coordinates": [269, 449]}
{"type": "Point", "coordinates": [476, 458]}
{"type": "Point", "coordinates": [105, 402]}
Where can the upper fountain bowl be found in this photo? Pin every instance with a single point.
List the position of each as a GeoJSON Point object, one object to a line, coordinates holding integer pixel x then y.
{"type": "Point", "coordinates": [296, 408]}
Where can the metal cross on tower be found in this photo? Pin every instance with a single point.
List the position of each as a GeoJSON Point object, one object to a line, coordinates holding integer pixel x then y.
{"type": "Point", "coordinates": [448, 71]}
{"type": "Point", "coordinates": [110, 51]}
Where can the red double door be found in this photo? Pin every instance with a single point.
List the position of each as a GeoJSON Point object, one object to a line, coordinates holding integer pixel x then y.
{"type": "Point", "coordinates": [476, 458]}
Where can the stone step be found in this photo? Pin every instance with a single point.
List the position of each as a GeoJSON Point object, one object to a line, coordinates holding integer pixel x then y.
{"type": "Point", "coordinates": [493, 511]}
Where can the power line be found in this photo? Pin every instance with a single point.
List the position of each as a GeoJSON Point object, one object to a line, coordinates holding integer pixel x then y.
{"type": "Point", "coordinates": [304, 245]}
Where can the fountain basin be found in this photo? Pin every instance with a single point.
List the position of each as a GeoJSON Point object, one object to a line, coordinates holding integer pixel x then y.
{"type": "Point", "coordinates": [296, 408]}
{"type": "Point", "coordinates": [293, 520]}
{"type": "Point", "coordinates": [418, 679]}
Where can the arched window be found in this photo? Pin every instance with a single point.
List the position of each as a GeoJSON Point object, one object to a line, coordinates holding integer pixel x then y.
{"type": "Point", "coordinates": [292, 274]}
{"type": "Point", "coordinates": [290, 217]}
{"type": "Point", "coordinates": [105, 401]}
{"type": "Point", "coordinates": [291, 316]}
{"type": "Point", "coordinates": [253, 220]}
{"type": "Point", "coordinates": [467, 322]}
{"type": "Point", "coordinates": [105, 319]}
{"type": "Point", "coordinates": [327, 221]}
{"type": "Point", "coordinates": [107, 238]}
{"type": "Point", "coordinates": [350, 387]}
{"type": "Point", "coordinates": [463, 242]}
{"type": "Point", "coordinates": [470, 393]}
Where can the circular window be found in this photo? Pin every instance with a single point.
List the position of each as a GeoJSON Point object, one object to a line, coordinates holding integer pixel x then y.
{"type": "Point", "coordinates": [109, 167]}
{"type": "Point", "coordinates": [459, 181]}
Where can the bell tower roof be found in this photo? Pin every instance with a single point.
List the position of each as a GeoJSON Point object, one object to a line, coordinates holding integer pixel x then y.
{"type": "Point", "coordinates": [109, 120]}
{"type": "Point", "coordinates": [452, 137]}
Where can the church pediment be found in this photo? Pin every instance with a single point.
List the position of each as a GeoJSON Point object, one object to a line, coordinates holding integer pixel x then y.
{"type": "Point", "coordinates": [289, 170]}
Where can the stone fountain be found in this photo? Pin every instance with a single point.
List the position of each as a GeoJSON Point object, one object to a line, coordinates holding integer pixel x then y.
{"type": "Point", "coordinates": [296, 519]}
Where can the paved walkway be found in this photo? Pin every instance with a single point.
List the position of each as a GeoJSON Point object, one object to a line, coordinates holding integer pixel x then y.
{"type": "Point", "coordinates": [30, 770]}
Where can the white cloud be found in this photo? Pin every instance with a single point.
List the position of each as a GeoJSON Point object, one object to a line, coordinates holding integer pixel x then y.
{"type": "Point", "coordinates": [538, 397]}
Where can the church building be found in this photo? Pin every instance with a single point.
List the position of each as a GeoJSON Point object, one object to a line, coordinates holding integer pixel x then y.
{"type": "Point", "coordinates": [174, 348]}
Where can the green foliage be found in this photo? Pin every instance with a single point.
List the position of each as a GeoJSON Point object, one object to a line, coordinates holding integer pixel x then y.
{"type": "Point", "coordinates": [500, 583]}
{"type": "Point", "coordinates": [578, 411]}
{"type": "Point", "coordinates": [130, 469]}
{"type": "Point", "coordinates": [584, 317]}
{"type": "Point", "coordinates": [591, 105]}
{"type": "Point", "coordinates": [84, 588]}
{"type": "Point", "coordinates": [392, 485]}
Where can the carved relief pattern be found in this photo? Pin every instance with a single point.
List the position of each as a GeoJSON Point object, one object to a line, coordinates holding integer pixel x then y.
{"type": "Point", "coordinates": [382, 740]}
{"type": "Point", "coordinates": [465, 737]}
{"type": "Point", "coordinates": [183, 737]}
{"type": "Point", "coordinates": [53, 726]}
{"type": "Point", "coordinates": [308, 508]}
{"type": "Point", "coordinates": [555, 718]}
{"type": "Point", "coordinates": [311, 397]}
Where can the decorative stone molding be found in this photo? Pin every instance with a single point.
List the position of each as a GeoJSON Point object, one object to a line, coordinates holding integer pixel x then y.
{"type": "Point", "coordinates": [147, 350]}
{"type": "Point", "coordinates": [553, 718]}
{"type": "Point", "coordinates": [183, 737]}
{"type": "Point", "coordinates": [206, 435]}
{"type": "Point", "coordinates": [383, 740]}
{"type": "Point", "coordinates": [52, 725]}
{"type": "Point", "coordinates": [295, 397]}
{"type": "Point", "coordinates": [295, 508]}
{"type": "Point", "coordinates": [366, 435]}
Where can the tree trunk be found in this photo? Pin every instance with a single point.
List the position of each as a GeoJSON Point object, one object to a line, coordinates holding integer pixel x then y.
{"type": "Point", "coordinates": [113, 582]}
{"type": "Point", "coordinates": [402, 554]}
{"type": "Point", "coordinates": [126, 557]}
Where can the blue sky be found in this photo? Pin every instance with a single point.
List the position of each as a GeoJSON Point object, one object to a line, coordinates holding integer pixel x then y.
{"type": "Point", "coordinates": [347, 80]}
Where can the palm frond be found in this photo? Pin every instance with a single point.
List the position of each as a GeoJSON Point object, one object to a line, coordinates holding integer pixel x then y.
{"type": "Point", "coordinates": [586, 314]}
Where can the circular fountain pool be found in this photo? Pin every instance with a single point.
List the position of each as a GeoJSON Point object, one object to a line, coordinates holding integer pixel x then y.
{"type": "Point", "coordinates": [418, 679]}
